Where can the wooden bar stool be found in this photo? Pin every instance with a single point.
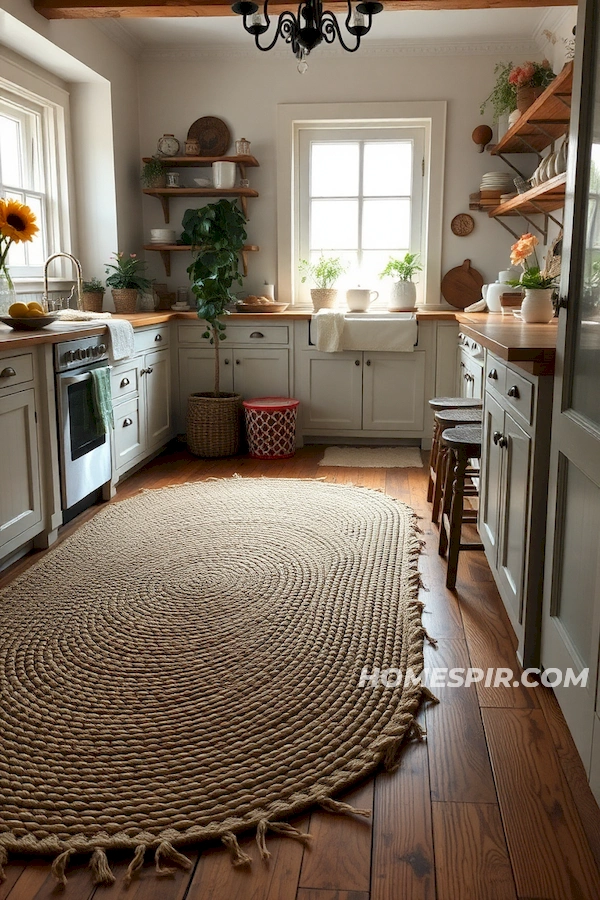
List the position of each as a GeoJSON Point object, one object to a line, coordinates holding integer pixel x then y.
{"type": "Point", "coordinates": [449, 418]}
{"type": "Point", "coordinates": [463, 442]}
{"type": "Point", "coordinates": [437, 404]}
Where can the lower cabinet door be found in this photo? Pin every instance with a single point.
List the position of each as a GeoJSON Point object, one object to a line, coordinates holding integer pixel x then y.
{"type": "Point", "coordinates": [329, 388]}
{"type": "Point", "coordinates": [491, 477]}
{"type": "Point", "coordinates": [514, 538]}
{"type": "Point", "coordinates": [197, 373]}
{"type": "Point", "coordinates": [157, 392]}
{"type": "Point", "coordinates": [393, 391]}
{"type": "Point", "coordinates": [128, 434]}
{"type": "Point", "coordinates": [261, 373]}
{"type": "Point", "coordinates": [20, 495]}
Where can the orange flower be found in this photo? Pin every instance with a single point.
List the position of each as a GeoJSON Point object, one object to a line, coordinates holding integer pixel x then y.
{"type": "Point", "coordinates": [17, 222]}
{"type": "Point", "coordinates": [523, 248]}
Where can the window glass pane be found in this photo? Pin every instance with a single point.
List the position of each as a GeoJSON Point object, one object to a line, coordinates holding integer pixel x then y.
{"type": "Point", "coordinates": [334, 170]}
{"type": "Point", "coordinates": [387, 168]}
{"type": "Point", "coordinates": [386, 224]}
{"type": "Point", "coordinates": [334, 224]}
{"type": "Point", "coordinates": [35, 249]}
{"type": "Point", "coordinates": [10, 165]}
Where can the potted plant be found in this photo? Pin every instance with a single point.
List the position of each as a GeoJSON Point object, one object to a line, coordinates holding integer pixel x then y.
{"type": "Point", "coordinates": [538, 283]}
{"type": "Point", "coordinates": [404, 291]}
{"type": "Point", "coordinates": [153, 173]}
{"type": "Point", "coordinates": [126, 280]}
{"type": "Point", "coordinates": [217, 234]}
{"type": "Point", "coordinates": [92, 295]}
{"type": "Point", "coordinates": [529, 81]}
{"type": "Point", "coordinates": [503, 98]}
{"type": "Point", "coordinates": [324, 273]}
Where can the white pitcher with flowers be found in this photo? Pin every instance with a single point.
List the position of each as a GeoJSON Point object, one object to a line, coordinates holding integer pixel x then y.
{"type": "Point", "coordinates": [538, 283]}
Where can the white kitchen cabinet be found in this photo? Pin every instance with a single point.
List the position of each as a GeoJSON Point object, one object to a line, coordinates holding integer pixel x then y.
{"type": "Point", "coordinates": [393, 387]}
{"type": "Point", "coordinates": [470, 368]}
{"type": "Point", "coordinates": [157, 398]}
{"type": "Point", "coordinates": [247, 371]}
{"type": "Point", "coordinates": [513, 488]}
{"type": "Point", "coordinates": [20, 489]}
{"type": "Point", "coordinates": [329, 386]}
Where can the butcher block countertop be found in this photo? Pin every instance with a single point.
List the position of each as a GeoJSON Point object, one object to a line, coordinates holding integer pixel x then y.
{"type": "Point", "coordinates": [532, 347]}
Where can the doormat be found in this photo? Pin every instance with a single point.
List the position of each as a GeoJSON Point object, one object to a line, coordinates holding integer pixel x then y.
{"type": "Point", "coordinates": [373, 457]}
{"type": "Point", "coordinates": [187, 666]}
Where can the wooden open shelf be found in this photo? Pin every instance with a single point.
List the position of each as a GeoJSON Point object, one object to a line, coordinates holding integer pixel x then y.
{"type": "Point", "coordinates": [165, 251]}
{"type": "Point", "coordinates": [546, 120]}
{"type": "Point", "coordinates": [177, 162]}
{"type": "Point", "coordinates": [544, 198]}
{"type": "Point", "coordinates": [165, 194]}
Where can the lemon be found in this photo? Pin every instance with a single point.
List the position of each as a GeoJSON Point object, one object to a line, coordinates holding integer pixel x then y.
{"type": "Point", "coordinates": [34, 305]}
{"type": "Point", "coordinates": [35, 313]}
{"type": "Point", "coordinates": [18, 310]}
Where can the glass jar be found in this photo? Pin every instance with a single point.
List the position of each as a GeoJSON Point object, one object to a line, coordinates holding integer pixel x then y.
{"type": "Point", "coordinates": [7, 294]}
{"type": "Point", "coordinates": [242, 147]}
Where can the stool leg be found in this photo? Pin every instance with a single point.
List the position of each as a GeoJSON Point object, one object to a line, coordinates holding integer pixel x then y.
{"type": "Point", "coordinates": [455, 520]}
{"type": "Point", "coordinates": [439, 483]}
{"type": "Point", "coordinates": [433, 455]}
{"type": "Point", "coordinates": [446, 499]}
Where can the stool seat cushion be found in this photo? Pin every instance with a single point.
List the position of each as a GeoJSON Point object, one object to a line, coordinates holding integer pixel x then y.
{"type": "Point", "coordinates": [437, 403]}
{"type": "Point", "coordinates": [447, 418]}
{"type": "Point", "coordinates": [464, 439]}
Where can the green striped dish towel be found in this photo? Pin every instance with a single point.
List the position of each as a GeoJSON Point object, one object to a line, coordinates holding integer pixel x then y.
{"type": "Point", "coordinates": [103, 407]}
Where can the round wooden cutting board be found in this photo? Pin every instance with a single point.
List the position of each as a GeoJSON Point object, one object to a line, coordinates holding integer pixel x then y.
{"type": "Point", "coordinates": [462, 285]}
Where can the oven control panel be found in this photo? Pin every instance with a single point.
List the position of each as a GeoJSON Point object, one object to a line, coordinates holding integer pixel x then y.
{"type": "Point", "coordinates": [75, 354]}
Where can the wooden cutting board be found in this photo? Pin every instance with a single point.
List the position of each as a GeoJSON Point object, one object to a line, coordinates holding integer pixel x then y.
{"type": "Point", "coordinates": [462, 285]}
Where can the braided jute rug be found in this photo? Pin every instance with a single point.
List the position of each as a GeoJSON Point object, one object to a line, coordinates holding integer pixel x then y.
{"type": "Point", "coordinates": [187, 667]}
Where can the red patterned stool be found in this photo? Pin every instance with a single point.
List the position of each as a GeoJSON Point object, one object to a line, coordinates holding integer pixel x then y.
{"type": "Point", "coordinates": [271, 427]}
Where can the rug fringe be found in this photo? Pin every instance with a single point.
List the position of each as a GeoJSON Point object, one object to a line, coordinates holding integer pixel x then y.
{"type": "Point", "coordinates": [428, 695]}
{"type": "Point", "coordinates": [238, 857]}
{"type": "Point", "coordinates": [59, 865]}
{"type": "Point", "coordinates": [282, 828]}
{"type": "Point", "coordinates": [342, 809]}
{"type": "Point", "coordinates": [101, 870]}
{"type": "Point", "coordinates": [166, 851]}
{"type": "Point", "coordinates": [3, 862]}
{"type": "Point", "coordinates": [135, 865]}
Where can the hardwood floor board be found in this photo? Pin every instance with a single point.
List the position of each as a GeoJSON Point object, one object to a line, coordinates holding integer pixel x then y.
{"type": "Point", "coordinates": [12, 872]}
{"type": "Point", "coordinates": [403, 860]}
{"type": "Point", "coordinates": [339, 857]}
{"type": "Point", "coordinates": [549, 852]}
{"type": "Point", "coordinates": [37, 882]}
{"type": "Point", "coordinates": [396, 484]}
{"type": "Point", "coordinates": [309, 894]}
{"type": "Point", "coordinates": [277, 879]}
{"type": "Point", "coordinates": [471, 858]}
{"type": "Point", "coordinates": [459, 766]}
{"type": "Point", "coordinates": [147, 885]}
{"type": "Point", "coordinates": [572, 768]}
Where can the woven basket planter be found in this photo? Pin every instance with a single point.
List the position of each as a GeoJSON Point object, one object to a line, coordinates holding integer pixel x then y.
{"type": "Point", "coordinates": [92, 301]}
{"type": "Point", "coordinates": [125, 300]}
{"type": "Point", "coordinates": [526, 96]}
{"type": "Point", "coordinates": [213, 424]}
{"type": "Point", "coordinates": [323, 298]}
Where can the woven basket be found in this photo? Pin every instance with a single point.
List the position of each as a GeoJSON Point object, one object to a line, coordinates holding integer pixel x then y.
{"type": "Point", "coordinates": [323, 298]}
{"type": "Point", "coordinates": [92, 301]}
{"type": "Point", "coordinates": [125, 300]}
{"type": "Point", "coordinates": [213, 424]}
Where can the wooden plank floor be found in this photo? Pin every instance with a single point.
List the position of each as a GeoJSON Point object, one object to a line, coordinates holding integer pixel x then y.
{"type": "Point", "coordinates": [494, 805]}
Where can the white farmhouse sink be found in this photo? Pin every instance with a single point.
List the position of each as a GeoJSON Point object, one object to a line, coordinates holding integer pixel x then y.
{"type": "Point", "coordinates": [386, 331]}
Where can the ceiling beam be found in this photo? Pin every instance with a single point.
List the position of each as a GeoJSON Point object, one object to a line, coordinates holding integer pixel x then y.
{"type": "Point", "coordinates": [156, 9]}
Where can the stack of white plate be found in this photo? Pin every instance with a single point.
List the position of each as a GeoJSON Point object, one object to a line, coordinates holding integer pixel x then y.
{"type": "Point", "coordinates": [162, 236]}
{"type": "Point", "coordinates": [497, 181]}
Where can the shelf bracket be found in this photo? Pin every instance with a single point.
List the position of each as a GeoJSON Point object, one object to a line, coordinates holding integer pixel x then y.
{"type": "Point", "coordinates": [546, 214]}
{"type": "Point", "coordinates": [504, 225]}
{"type": "Point", "coordinates": [244, 202]}
{"type": "Point", "coordinates": [165, 255]}
{"type": "Point", "coordinates": [510, 165]}
{"type": "Point", "coordinates": [543, 231]}
{"type": "Point", "coordinates": [164, 202]}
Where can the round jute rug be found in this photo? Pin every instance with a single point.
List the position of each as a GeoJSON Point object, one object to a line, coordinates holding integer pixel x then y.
{"type": "Point", "coordinates": [188, 665]}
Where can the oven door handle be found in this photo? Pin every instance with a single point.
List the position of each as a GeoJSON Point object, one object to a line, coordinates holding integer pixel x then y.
{"type": "Point", "coordinates": [75, 379]}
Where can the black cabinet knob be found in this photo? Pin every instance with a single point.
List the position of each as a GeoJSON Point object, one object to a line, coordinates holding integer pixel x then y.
{"type": "Point", "coordinates": [124, 382]}
{"type": "Point", "coordinates": [226, 362]}
{"type": "Point", "coordinates": [8, 372]}
{"type": "Point", "coordinates": [496, 436]}
{"type": "Point", "coordinates": [158, 338]}
{"type": "Point", "coordinates": [257, 334]}
{"type": "Point", "coordinates": [514, 392]}
{"type": "Point", "coordinates": [127, 422]}
{"type": "Point", "coordinates": [357, 362]}
{"type": "Point", "coordinates": [368, 362]}
{"type": "Point", "coordinates": [503, 442]}
{"type": "Point", "coordinates": [493, 374]}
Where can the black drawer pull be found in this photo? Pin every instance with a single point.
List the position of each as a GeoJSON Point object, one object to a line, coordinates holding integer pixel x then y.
{"type": "Point", "coordinates": [493, 374]}
{"type": "Point", "coordinates": [8, 372]}
{"type": "Point", "coordinates": [503, 442]}
{"type": "Point", "coordinates": [257, 334]}
{"type": "Point", "coordinates": [514, 392]}
{"type": "Point", "coordinates": [357, 362]}
{"type": "Point", "coordinates": [149, 371]}
{"type": "Point", "coordinates": [226, 362]}
{"type": "Point", "coordinates": [368, 362]}
{"type": "Point", "coordinates": [237, 362]}
{"type": "Point", "coordinates": [124, 382]}
{"type": "Point", "coordinates": [496, 437]}
{"type": "Point", "coordinates": [127, 422]}
{"type": "Point", "coordinates": [158, 338]}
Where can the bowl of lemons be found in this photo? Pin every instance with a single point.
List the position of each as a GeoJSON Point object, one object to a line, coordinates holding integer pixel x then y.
{"type": "Point", "coordinates": [27, 316]}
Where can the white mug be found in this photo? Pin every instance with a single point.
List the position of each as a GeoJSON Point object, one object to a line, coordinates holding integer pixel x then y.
{"type": "Point", "coordinates": [359, 299]}
{"type": "Point", "coordinates": [224, 175]}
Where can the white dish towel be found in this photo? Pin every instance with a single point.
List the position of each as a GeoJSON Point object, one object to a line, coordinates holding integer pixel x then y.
{"type": "Point", "coordinates": [121, 343]}
{"type": "Point", "coordinates": [330, 328]}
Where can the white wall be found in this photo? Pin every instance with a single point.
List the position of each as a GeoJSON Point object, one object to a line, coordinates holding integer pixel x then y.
{"type": "Point", "coordinates": [245, 88]}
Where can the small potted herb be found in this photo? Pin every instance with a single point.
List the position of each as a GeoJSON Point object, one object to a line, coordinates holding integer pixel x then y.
{"type": "Point", "coordinates": [92, 295]}
{"type": "Point", "coordinates": [503, 98]}
{"type": "Point", "coordinates": [153, 173]}
{"type": "Point", "coordinates": [324, 273]}
{"type": "Point", "coordinates": [404, 291]}
{"type": "Point", "coordinates": [126, 280]}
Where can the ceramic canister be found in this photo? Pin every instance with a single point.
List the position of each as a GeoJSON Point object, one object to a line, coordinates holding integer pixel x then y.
{"type": "Point", "coordinates": [224, 175]}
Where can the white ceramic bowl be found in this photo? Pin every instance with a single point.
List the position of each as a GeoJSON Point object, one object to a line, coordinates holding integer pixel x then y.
{"type": "Point", "coordinates": [203, 182]}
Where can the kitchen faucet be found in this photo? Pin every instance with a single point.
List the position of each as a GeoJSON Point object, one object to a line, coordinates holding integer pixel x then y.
{"type": "Point", "coordinates": [77, 265]}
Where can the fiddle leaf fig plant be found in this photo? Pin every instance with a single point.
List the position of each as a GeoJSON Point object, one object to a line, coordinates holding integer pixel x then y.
{"type": "Point", "coordinates": [217, 234]}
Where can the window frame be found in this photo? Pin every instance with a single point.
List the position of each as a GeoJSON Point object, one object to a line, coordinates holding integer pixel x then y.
{"type": "Point", "coordinates": [294, 118]}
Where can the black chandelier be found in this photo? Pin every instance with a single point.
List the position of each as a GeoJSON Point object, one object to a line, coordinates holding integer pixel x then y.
{"type": "Point", "coordinates": [309, 27]}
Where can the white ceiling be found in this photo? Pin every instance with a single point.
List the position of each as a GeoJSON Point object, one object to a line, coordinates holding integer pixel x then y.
{"type": "Point", "coordinates": [443, 26]}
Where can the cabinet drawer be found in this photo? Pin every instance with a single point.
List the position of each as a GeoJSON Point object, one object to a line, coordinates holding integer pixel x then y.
{"type": "Point", "coordinates": [127, 434]}
{"type": "Point", "coordinates": [16, 370]}
{"type": "Point", "coordinates": [494, 374]}
{"type": "Point", "coordinates": [152, 339]}
{"type": "Point", "coordinates": [256, 334]}
{"type": "Point", "coordinates": [518, 392]}
{"type": "Point", "coordinates": [124, 382]}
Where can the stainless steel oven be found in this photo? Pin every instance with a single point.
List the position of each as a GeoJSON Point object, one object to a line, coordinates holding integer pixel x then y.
{"type": "Point", "coordinates": [85, 458]}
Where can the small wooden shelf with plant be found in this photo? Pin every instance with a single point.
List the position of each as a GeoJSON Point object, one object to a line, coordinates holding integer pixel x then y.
{"type": "Point", "coordinates": [165, 251]}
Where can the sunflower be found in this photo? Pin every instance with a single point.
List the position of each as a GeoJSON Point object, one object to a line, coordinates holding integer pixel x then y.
{"type": "Point", "coordinates": [17, 222]}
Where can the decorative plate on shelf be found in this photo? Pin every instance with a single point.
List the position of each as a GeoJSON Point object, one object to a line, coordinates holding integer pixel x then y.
{"type": "Point", "coordinates": [27, 323]}
{"type": "Point", "coordinates": [212, 134]}
{"type": "Point", "coordinates": [462, 224]}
